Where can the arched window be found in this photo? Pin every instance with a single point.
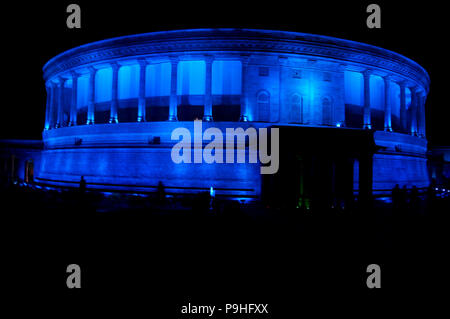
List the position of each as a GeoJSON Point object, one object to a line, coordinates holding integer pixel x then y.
{"type": "Point", "coordinates": [263, 103]}
{"type": "Point", "coordinates": [297, 109]}
{"type": "Point", "coordinates": [327, 112]}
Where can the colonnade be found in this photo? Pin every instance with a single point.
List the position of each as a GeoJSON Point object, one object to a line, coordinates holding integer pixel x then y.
{"type": "Point", "coordinates": [418, 96]}
{"type": "Point", "coordinates": [56, 105]}
{"type": "Point", "coordinates": [55, 98]}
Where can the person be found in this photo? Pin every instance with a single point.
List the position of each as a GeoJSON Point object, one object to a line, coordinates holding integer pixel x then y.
{"type": "Point", "coordinates": [82, 187]}
{"type": "Point", "coordinates": [403, 199]}
{"type": "Point", "coordinates": [161, 192]}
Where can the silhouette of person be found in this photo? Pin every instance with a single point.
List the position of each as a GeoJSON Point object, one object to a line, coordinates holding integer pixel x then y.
{"type": "Point", "coordinates": [82, 187]}
{"type": "Point", "coordinates": [161, 191]}
{"type": "Point", "coordinates": [396, 197]}
{"type": "Point", "coordinates": [403, 198]}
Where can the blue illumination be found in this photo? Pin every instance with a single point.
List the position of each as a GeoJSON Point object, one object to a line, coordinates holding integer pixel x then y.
{"type": "Point", "coordinates": [376, 92]}
{"type": "Point", "coordinates": [191, 78]}
{"type": "Point", "coordinates": [157, 81]}
{"type": "Point", "coordinates": [226, 77]}
{"type": "Point", "coordinates": [103, 85]}
{"type": "Point", "coordinates": [354, 88]}
{"type": "Point", "coordinates": [395, 99]}
{"type": "Point", "coordinates": [128, 85]}
{"type": "Point", "coordinates": [123, 154]}
{"type": "Point", "coordinates": [407, 98]}
{"type": "Point", "coordinates": [82, 91]}
{"type": "Point", "coordinates": [68, 84]}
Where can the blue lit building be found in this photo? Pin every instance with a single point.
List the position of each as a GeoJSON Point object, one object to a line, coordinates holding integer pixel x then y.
{"type": "Point", "coordinates": [112, 105]}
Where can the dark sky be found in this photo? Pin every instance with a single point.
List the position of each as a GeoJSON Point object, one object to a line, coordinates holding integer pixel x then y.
{"type": "Point", "coordinates": [34, 33]}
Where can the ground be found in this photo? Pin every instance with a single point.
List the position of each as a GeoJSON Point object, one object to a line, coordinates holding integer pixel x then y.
{"type": "Point", "coordinates": [145, 253]}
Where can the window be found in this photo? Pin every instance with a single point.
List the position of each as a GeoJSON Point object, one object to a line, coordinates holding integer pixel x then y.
{"type": "Point", "coordinates": [296, 74]}
{"type": "Point", "coordinates": [263, 71]}
{"type": "Point", "coordinates": [327, 116]}
{"type": "Point", "coordinates": [263, 103]}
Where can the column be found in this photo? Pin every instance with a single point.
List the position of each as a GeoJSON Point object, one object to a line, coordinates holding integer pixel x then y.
{"type": "Point", "coordinates": [91, 96]}
{"type": "Point", "coordinates": [73, 104]}
{"type": "Point", "coordinates": [48, 89]}
{"type": "Point", "coordinates": [422, 115]}
{"type": "Point", "coordinates": [387, 104]}
{"type": "Point", "coordinates": [207, 111]}
{"type": "Point", "coordinates": [173, 104]}
{"type": "Point", "coordinates": [403, 117]}
{"type": "Point", "coordinates": [419, 112]}
{"type": "Point", "coordinates": [413, 110]}
{"type": "Point", "coordinates": [52, 119]}
{"type": "Point", "coordinates": [60, 118]}
{"type": "Point", "coordinates": [366, 114]}
{"type": "Point", "coordinates": [113, 118]}
{"type": "Point", "coordinates": [244, 97]}
{"type": "Point", "coordinates": [141, 99]}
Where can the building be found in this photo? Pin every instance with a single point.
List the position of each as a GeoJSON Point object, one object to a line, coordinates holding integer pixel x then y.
{"type": "Point", "coordinates": [18, 159]}
{"type": "Point", "coordinates": [439, 165]}
{"type": "Point", "coordinates": [349, 113]}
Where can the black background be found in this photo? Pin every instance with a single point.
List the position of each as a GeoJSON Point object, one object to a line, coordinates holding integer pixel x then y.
{"type": "Point", "coordinates": [119, 271]}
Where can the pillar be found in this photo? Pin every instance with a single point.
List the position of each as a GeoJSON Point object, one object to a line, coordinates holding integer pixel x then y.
{"type": "Point", "coordinates": [419, 111]}
{"type": "Point", "coordinates": [73, 104]}
{"type": "Point", "coordinates": [207, 111]}
{"type": "Point", "coordinates": [387, 104]}
{"type": "Point", "coordinates": [113, 118]}
{"type": "Point", "coordinates": [422, 115]}
{"type": "Point", "coordinates": [60, 118]}
{"type": "Point", "coordinates": [48, 89]}
{"type": "Point", "coordinates": [173, 103]}
{"type": "Point", "coordinates": [403, 117]}
{"type": "Point", "coordinates": [366, 114]}
{"type": "Point", "coordinates": [141, 99]}
{"type": "Point", "coordinates": [91, 96]}
{"type": "Point", "coordinates": [413, 111]}
{"type": "Point", "coordinates": [52, 119]}
{"type": "Point", "coordinates": [244, 97]}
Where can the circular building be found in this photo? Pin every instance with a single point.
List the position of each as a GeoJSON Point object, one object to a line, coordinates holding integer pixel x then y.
{"type": "Point", "coordinates": [112, 106]}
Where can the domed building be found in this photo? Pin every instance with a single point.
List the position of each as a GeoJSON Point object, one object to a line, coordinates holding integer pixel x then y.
{"type": "Point", "coordinates": [351, 115]}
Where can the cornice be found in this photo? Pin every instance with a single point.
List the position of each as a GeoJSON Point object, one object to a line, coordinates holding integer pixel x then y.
{"type": "Point", "coordinates": [245, 41]}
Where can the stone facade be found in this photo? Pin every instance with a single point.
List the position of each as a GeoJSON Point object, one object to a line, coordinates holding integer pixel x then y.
{"type": "Point", "coordinates": [285, 78]}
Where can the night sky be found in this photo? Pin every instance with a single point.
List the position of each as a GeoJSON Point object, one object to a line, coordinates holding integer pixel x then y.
{"type": "Point", "coordinates": [34, 33]}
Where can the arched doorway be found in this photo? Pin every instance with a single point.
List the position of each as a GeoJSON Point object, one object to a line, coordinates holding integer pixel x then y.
{"type": "Point", "coordinates": [297, 109]}
{"type": "Point", "coordinates": [263, 103]}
